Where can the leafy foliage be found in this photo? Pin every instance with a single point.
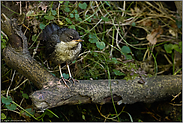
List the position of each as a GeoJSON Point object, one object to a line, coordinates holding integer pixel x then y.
{"type": "Point", "coordinates": [120, 37]}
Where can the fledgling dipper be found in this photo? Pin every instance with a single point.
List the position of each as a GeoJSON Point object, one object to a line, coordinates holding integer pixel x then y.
{"type": "Point", "coordinates": [63, 45]}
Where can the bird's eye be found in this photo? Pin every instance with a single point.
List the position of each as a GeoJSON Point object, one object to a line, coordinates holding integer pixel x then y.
{"type": "Point", "coordinates": [71, 37]}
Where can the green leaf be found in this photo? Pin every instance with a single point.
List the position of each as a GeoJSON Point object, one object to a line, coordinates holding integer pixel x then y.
{"type": "Point", "coordinates": [179, 23]}
{"type": "Point", "coordinates": [117, 72]}
{"type": "Point", "coordinates": [100, 45]}
{"type": "Point", "coordinates": [104, 18]}
{"type": "Point", "coordinates": [24, 95]}
{"type": "Point", "coordinates": [42, 26]}
{"type": "Point", "coordinates": [66, 76]}
{"type": "Point", "coordinates": [87, 31]}
{"type": "Point", "coordinates": [180, 44]}
{"type": "Point", "coordinates": [133, 24]}
{"type": "Point", "coordinates": [3, 43]}
{"type": "Point", "coordinates": [74, 61]}
{"type": "Point", "coordinates": [71, 15]}
{"type": "Point", "coordinates": [66, 3]}
{"type": "Point", "coordinates": [77, 16]}
{"type": "Point", "coordinates": [83, 117]}
{"type": "Point", "coordinates": [67, 9]}
{"type": "Point", "coordinates": [92, 38]}
{"type": "Point", "coordinates": [80, 19]}
{"type": "Point", "coordinates": [53, 12]}
{"type": "Point", "coordinates": [60, 2]}
{"type": "Point", "coordinates": [168, 48]}
{"type": "Point", "coordinates": [125, 49]}
{"type": "Point", "coordinates": [68, 20]}
{"type": "Point", "coordinates": [128, 57]}
{"type": "Point", "coordinates": [11, 107]}
{"type": "Point", "coordinates": [75, 11]}
{"type": "Point", "coordinates": [72, 27]}
{"type": "Point", "coordinates": [49, 17]}
{"type": "Point", "coordinates": [114, 60]}
{"type": "Point", "coordinates": [3, 116]}
{"type": "Point", "coordinates": [34, 37]}
{"type": "Point", "coordinates": [82, 6]}
{"type": "Point", "coordinates": [5, 100]}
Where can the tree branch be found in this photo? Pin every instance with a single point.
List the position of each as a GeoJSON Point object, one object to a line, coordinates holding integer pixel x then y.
{"type": "Point", "coordinates": [87, 91]}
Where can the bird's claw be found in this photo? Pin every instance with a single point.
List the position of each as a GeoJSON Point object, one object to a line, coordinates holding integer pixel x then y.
{"type": "Point", "coordinates": [74, 80]}
{"type": "Point", "coordinates": [65, 81]}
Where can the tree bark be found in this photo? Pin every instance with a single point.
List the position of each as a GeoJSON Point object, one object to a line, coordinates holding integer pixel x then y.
{"type": "Point", "coordinates": [52, 94]}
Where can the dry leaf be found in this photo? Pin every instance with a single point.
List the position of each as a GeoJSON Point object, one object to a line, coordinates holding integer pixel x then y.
{"type": "Point", "coordinates": [43, 6]}
{"type": "Point", "coordinates": [152, 38]}
{"type": "Point", "coordinates": [146, 23]}
{"type": "Point", "coordinates": [173, 32]}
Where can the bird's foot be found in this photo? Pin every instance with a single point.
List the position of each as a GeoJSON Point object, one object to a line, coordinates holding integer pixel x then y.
{"type": "Point", "coordinates": [74, 80]}
{"type": "Point", "coordinates": [65, 81]}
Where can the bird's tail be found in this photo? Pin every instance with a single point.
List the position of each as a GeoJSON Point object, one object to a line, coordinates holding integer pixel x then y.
{"type": "Point", "coordinates": [47, 31]}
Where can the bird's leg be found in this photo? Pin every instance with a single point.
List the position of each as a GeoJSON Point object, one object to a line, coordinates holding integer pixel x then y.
{"type": "Point", "coordinates": [70, 76]}
{"type": "Point", "coordinates": [62, 78]}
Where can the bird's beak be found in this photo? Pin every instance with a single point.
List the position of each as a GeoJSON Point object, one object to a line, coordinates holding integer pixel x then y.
{"type": "Point", "coordinates": [79, 40]}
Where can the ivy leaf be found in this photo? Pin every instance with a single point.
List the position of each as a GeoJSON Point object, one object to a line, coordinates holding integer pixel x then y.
{"type": "Point", "coordinates": [82, 6]}
{"type": "Point", "coordinates": [168, 48]}
{"type": "Point", "coordinates": [117, 72]}
{"type": "Point", "coordinates": [67, 9]}
{"type": "Point", "coordinates": [105, 18]}
{"type": "Point", "coordinates": [93, 38]}
{"type": "Point", "coordinates": [128, 57]}
{"type": "Point", "coordinates": [7, 100]}
{"type": "Point", "coordinates": [49, 17]}
{"type": "Point", "coordinates": [179, 23]}
{"type": "Point", "coordinates": [68, 20]}
{"type": "Point", "coordinates": [11, 107]}
{"type": "Point", "coordinates": [24, 95]}
{"type": "Point", "coordinates": [53, 12]}
{"type": "Point", "coordinates": [42, 26]}
{"type": "Point", "coordinates": [114, 60]}
{"type": "Point", "coordinates": [66, 3]}
{"type": "Point", "coordinates": [125, 49]}
{"type": "Point", "coordinates": [72, 27]}
{"type": "Point", "coordinates": [75, 11]}
{"type": "Point", "coordinates": [34, 37]}
{"type": "Point", "coordinates": [71, 15]}
{"type": "Point", "coordinates": [77, 16]}
{"type": "Point", "coordinates": [133, 24]}
{"type": "Point", "coordinates": [66, 76]}
{"type": "Point", "coordinates": [100, 45]}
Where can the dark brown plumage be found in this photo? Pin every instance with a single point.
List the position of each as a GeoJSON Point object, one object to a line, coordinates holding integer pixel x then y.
{"type": "Point", "coordinates": [63, 45]}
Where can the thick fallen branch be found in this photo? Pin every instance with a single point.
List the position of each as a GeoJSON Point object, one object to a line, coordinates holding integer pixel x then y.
{"type": "Point", "coordinates": [16, 56]}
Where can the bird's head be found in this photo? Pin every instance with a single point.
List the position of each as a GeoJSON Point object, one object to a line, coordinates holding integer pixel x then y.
{"type": "Point", "coordinates": [70, 37]}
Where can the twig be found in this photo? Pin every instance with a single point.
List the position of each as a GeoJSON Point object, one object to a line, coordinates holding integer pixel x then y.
{"type": "Point", "coordinates": [175, 96]}
{"type": "Point", "coordinates": [10, 83]}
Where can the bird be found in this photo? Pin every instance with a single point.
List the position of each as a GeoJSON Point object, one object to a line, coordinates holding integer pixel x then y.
{"type": "Point", "coordinates": [63, 45]}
